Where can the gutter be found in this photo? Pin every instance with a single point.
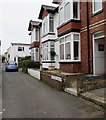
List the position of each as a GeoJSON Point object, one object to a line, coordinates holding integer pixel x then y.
{"type": "Point", "coordinates": [88, 38]}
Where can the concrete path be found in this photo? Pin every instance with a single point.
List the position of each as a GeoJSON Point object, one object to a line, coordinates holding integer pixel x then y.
{"type": "Point", "coordinates": [97, 96]}
{"type": "Point", "coordinates": [27, 97]}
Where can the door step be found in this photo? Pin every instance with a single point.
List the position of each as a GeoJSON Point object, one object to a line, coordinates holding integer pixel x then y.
{"type": "Point", "coordinates": [72, 91]}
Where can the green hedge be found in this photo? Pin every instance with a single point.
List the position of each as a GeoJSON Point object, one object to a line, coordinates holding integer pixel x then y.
{"type": "Point", "coordinates": [30, 64]}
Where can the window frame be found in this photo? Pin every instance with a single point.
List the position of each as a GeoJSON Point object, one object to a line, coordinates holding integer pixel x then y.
{"type": "Point", "coordinates": [22, 49]}
{"type": "Point", "coordinates": [93, 7]}
{"type": "Point", "coordinates": [62, 6]}
{"type": "Point", "coordinates": [71, 48]}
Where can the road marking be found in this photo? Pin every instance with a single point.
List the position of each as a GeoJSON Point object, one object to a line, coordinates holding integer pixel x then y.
{"type": "Point", "coordinates": [4, 110]}
{"type": "Point", "coordinates": [1, 112]}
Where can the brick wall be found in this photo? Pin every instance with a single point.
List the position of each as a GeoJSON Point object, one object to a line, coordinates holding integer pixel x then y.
{"type": "Point", "coordinates": [46, 78]}
{"type": "Point", "coordinates": [85, 84]}
{"type": "Point", "coordinates": [71, 25]}
{"type": "Point", "coordinates": [70, 67]}
{"type": "Point", "coordinates": [84, 39]}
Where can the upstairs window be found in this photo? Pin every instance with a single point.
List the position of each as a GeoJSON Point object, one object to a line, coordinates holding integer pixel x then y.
{"type": "Point", "coordinates": [51, 23]}
{"type": "Point", "coordinates": [97, 5]}
{"type": "Point", "coordinates": [20, 48]}
{"type": "Point", "coordinates": [67, 11]}
{"type": "Point", "coordinates": [36, 34]}
{"type": "Point", "coordinates": [75, 9]}
{"type": "Point", "coordinates": [48, 24]}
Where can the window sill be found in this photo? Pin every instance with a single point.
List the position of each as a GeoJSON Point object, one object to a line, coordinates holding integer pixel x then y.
{"type": "Point", "coordinates": [52, 33]}
{"type": "Point", "coordinates": [96, 13]}
{"type": "Point", "coordinates": [70, 62]}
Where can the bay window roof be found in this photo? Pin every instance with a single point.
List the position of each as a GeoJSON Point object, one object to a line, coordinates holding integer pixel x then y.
{"type": "Point", "coordinates": [46, 8]}
{"type": "Point", "coordinates": [33, 24]}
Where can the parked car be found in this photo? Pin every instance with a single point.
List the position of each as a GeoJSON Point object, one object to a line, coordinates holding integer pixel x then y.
{"type": "Point", "coordinates": [11, 66]}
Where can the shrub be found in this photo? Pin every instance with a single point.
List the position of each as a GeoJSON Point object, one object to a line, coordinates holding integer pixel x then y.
{"type": "Point", "coordinates": [30, 64]}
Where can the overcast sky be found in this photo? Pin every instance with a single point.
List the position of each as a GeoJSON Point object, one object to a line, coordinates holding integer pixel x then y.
{"type": "Point", "coordinates": [14, 20]}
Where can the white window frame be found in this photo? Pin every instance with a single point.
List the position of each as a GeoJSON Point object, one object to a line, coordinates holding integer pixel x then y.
{"type": "Point", "coordinates": [46, 25]}
{"type": "Point", "coordinates": [62, 6]}
{"type": "Point", "coordinates": [72, 48]}
{"type": "Point", "coordinates": [94, 7]}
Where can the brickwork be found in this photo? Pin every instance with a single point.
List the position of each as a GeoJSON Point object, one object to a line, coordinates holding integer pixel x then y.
{"type": "Point", "coordinates": [71, 25]}
{"type": "Point", "coordinates": [44, 14]}
{"type": "Point", "coordinates": [71, 68]}
{"type": "Point", "coordinates": [96, 23]}
{"type": "Point", "coordinates": [46, 78]}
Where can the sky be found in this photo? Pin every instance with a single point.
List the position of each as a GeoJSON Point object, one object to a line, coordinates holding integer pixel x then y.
{"type": "Point", "coordinates": [14, 20]}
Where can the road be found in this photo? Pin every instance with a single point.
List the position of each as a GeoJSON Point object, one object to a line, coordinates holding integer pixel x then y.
{"type": "Point", "coordinates": [27, 97]}
{"type": "Point", "coordinates": [0, 91]}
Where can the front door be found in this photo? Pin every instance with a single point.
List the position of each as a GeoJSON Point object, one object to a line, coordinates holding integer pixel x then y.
{"type": "Point", "coordinates": [98, 59]}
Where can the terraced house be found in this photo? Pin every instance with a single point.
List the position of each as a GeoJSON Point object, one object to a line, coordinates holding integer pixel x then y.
{"type": "Point", "coordinates": [76, 31]}
{"type": "Point", "coordinates": [35, 28]}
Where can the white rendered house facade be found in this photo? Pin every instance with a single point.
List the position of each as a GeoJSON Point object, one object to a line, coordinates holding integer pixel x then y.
{"type": "Point", "coordinates": [17, 50]}
{"type": "Point", "coordinates": [49, 39]}
{"type": "Point", "coordinates": [34, 28]}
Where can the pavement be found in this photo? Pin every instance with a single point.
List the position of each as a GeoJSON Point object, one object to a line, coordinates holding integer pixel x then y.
{"type": "Point", "coordinates": [96, 96]}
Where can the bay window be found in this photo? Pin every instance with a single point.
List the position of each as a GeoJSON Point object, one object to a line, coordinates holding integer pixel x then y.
{"type": "Point", "coordinates": [69, 10]}
{"type": "Point", "coordinates": [70, 47]}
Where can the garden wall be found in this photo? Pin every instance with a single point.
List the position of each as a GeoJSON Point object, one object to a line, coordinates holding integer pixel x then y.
{"type": "Point", "coordinates": [34, 73]}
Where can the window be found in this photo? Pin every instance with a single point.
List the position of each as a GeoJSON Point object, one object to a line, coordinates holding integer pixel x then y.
{"type": "Point", "coordinates": [36, 54]}
{"type": "Point", "coordinates": [75, 9]}
{"type": "Point", "coordinates": [44, 26]}
{"type": "Point", "coordinates": [67, 11]}
{"type": "Point", "coordinates": [45, 51]}
{"type": "Point", "coordinates": [62, 48]}
{"type": "Point", "coordinates": [51, 23]}
{"type": "Point", "coordinates": [32, 54]}
{"type": "Point", "coordinates": [36, 34]}
{"type": "Point", "coordinates": [20, 48]}
{"type": "Point", "coordinates": [52, 49]}
{"type": "Point", "coordinates": [70, 48]}
{"type": "Point", "coordinates": [48, 24]}
{"type": "Point", "coordinates": [61, 15]}
{"type": "Point", "coordinates": [97, 5]}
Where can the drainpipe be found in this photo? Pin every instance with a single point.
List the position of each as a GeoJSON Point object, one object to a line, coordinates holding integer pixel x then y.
{"type": "Point", "coordinates": [88, 38]}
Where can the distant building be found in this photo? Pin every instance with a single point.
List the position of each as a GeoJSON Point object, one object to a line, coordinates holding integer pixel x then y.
{"type": "Point", "coordinates": [34, 28]}
{"type": "Point", "coordinates": [17, 50]}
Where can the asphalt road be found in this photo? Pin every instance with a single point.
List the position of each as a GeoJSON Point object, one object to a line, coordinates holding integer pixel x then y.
{"type": "Point", "coordinates": [27, 97]}
{"type": "Point", "coordinates": [0, 91]}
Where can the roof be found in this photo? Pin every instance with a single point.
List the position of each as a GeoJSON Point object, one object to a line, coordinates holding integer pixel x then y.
{"type": "Point", "coordinates": [34, 24]}
{"type": "Point", "coordinates": [20, 44]}
{"type": "Point", "coordinates": [56, 1]}
{"type": "Point", "coordinates": [49, 9]}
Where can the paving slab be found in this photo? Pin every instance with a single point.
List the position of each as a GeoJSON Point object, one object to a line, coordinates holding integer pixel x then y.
{"type": "Point", "coordinates": [97, 96]}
